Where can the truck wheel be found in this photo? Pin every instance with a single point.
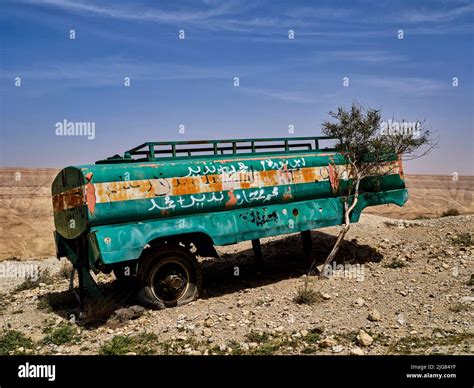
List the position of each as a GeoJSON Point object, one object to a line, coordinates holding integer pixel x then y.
{"type": "Point", "coordinates": [169, 277]}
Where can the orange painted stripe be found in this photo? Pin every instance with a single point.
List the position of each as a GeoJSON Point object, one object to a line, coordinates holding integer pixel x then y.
{"type": "Point", "coordinates": [152, 188]}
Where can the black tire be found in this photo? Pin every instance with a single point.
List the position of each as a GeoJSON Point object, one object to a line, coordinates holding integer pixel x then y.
{"type": "Point", "coordinates": [169, 276]}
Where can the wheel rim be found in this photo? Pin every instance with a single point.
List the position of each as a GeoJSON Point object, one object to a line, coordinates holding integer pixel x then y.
{"type": "Point", "coordinates": [170, 281]}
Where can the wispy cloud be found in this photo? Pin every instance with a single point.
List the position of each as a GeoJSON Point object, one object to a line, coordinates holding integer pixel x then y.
{"type": "Point", "coordinates": [111, 70]}
{"type": "Point", "coordinates": [280, 95]}
{"type": "Point", "coordinates": [247, 17]}
{"type": "Point", "coordinates": [367, 56]}
{"type": "Point", "coordinates": [413, 86]}
{"type": "Point", "coordinates": [141, 14]}
{"type": "Point", "coordinates": [436, 16]}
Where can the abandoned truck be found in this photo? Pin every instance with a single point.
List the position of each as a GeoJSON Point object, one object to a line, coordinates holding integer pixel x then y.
{"type": "Point", "coordinates": [150, 212]}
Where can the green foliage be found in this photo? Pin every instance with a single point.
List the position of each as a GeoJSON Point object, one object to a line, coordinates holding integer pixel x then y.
{"type": "Point", "coordinates": [144, 343]}
{"type": "Point", "coordinates": [305, 295]}
{"type": "Point", "coordinates": [419, 344]}
{"type": "Point", "coordinates": [60, 335]}
{"type": "Point", "coordinates": [364, 145]}
{"type": "Point", "coordinates": [257, 337]}
{"type": "Point", "coordinates": [12, 340]}
{"type": "Point", "coordinates": [118, 345]}
{"type": "Point", "coordinates": [463, 239]}
{"type": "Point", "coordinates": [312, 337]}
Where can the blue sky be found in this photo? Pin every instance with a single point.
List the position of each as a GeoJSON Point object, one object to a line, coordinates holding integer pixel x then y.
{"type": "Point", "coordinates": [191, 81]}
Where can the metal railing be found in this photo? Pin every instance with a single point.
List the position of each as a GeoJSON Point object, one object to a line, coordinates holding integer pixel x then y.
{"type": "Point", "coordinates": [150, 151]}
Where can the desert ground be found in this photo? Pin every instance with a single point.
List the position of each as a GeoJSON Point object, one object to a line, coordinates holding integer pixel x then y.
{"type": "Point", "coordinates": [407, 287]}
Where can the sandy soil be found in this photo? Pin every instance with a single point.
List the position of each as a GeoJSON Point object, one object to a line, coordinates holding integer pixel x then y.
{"type": "Point", "coordinates": [409, 289]}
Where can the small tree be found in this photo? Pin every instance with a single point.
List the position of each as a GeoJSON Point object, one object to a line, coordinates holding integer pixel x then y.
{"type": "Point", "coordinates": [366, 150]}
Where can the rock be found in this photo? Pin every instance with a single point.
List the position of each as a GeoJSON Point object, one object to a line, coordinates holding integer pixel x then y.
{"type": "Point", "coordinates": [229, 317]}
{"type": "Point", "coordinates": [337, 349]}
{"type": "Point", "coordinates": [21, 349]}
{"type": "Point", "coordinates": [401, 320]}
{"type": "Point", "coordinates": [181, 337]}
{"type": "Point", "coordinates": [253, 345]}
{"type": "Point", "coordinates": [327, 342]}
{"type": "Point", "coordinates": [209, 322]}
{"type": "Point", "coordinates": [359, 302]}
{"type": "Point", "coordinates": [466, 299]}
{"type": "Point", "coordinates": [126, 314]}
{"type": "Point", "coordinates": [195, 353]}
{"type": "Point", "coordinates": [110, 331]}
{"type": "Point", "coordinates": [304, 332]}
{"type": "Point", "coordinates": [403, 293]}
{"type": "Point", "coordinates": [356, 351]}
{"type": "Point", "coordinates": [326, 296]}
{"type": "Point", "coordinates": [130, 354]}
{"type": "Point", "coordinates": [318, 330]}
{"type": "Point", "coordinates": [206, 332]}
{"type": "Point", "coordinates": [364, 339]}
{"type": "Point", "coordinates": [280, 329]}
{"type": "Point", "coordinates": [374, 315]}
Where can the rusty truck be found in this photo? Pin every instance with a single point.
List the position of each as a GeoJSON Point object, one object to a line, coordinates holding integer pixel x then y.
{"type": "Point", "coordinates": [149, 212]}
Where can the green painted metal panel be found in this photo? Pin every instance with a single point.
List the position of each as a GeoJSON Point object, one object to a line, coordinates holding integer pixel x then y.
{"type": "Point", "coordinates": [125, 242]}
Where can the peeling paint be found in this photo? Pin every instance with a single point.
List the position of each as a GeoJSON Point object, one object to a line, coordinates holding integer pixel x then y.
{"type": "Point", "coordinates": [287, 194]}
{"type": "Point", "coordinates": [69, 199]}
{"type": "Point", "coordinates": [333, 178]}
{"type": "Point", "coordinates": [90, 197]}
{"type": "Point", "coordinates": [232, 199]}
